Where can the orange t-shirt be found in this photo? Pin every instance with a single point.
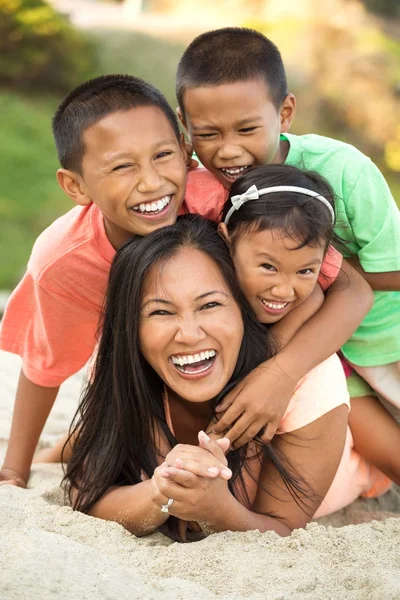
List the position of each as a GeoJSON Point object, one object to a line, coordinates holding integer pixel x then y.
{"type": "Point", "coordinates": [52, 316]}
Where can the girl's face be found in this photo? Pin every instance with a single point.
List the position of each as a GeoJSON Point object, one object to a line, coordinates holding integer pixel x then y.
{"type": "Point", "coordinates": [191, 328]}
{"type": "Point", "coordinates": [274, 275]}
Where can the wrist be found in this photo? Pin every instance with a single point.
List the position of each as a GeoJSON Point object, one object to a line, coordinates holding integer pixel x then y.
{"type": "Point", "coordinates": [225, 518]}
{"type": "Point", "coordinates": [292, 363]}
{"type": "Point", "coordinates": [20, 477]}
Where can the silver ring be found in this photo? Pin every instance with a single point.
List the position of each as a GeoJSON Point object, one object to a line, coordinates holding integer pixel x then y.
{"type": "Point", "coordinates": [165, 507]}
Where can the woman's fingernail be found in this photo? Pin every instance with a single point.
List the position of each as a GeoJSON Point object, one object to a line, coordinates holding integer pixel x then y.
{"type": "Point", "coordinates": [213, 470]}
{"type": "Point", "coordinates": [165, 474]}
{"type": "Point", "coordinates": [179, 463]}
{"type": "Point", "coordinates": [203, 436]}
{"type": "Point", "coordinates": [227, 473]}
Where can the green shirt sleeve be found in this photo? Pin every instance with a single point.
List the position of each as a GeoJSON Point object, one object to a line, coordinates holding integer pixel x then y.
{"type": "Point", "coordinates": [375, 221]}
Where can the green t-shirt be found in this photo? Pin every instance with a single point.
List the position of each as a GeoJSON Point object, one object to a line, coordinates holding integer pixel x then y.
{"type": "Point", "coordinates": [368, 221]}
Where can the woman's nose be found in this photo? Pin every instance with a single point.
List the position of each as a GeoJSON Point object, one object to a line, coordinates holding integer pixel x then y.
{"type": "Point", "coordinates": [189, 332]}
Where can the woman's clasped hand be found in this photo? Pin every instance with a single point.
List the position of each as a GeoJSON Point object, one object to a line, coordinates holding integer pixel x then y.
{"type": "Point", "coordinates": [195, 478]}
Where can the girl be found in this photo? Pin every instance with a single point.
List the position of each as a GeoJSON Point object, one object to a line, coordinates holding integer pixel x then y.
{"type": "Point", "coordinates": [171, 347]}
{"type": "Point", "coordinates": [278, 223]}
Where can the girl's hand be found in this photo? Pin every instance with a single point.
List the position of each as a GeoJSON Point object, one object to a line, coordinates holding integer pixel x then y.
{"type": "Point", "coordinates": [196, 498]}
{"type": "Point", "coordinates": [200, 460]}
{"type": "Point", "coordinates": [255, 406]}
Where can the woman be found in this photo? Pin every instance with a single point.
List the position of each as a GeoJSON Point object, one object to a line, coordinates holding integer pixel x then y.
{"type": "Point", "coordinates": [177, 335]}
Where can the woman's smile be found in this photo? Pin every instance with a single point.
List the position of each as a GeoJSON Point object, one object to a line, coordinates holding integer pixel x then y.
{"type": "Point", "coordinates": [186, 332]}
{"type": "Point", "coordinates": [194, 366]}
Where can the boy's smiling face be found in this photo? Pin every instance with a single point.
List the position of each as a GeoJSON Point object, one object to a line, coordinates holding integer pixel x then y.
{"type": "Point", "coordinates": [134, 170]}
{"type": "Point", "coordinates": [236, 126]}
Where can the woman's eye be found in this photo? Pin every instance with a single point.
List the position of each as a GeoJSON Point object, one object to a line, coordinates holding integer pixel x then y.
{"type": "Point", "coordinates": [160, 312]}
{"type": "Point", "coordinates": [210, 305]}
{"type": "Point", "coordinates": [268, 267]}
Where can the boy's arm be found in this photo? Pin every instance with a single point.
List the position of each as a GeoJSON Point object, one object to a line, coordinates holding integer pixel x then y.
{"type": "Point", "coordinates": [374, 222]}
{"type": "Point", "coordinates": [383, 282]}
{"type": "Point", "coordinates": [32, 407]}
{"type": "Point", "coordinates": [258, 403]}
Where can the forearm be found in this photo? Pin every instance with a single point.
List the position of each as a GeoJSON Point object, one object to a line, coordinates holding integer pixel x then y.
{"type": "Point", "coordinates": [285, 329]}
{"type": "Point", "coordinates": [346, 304]}
{"type": "Point", "coordinates": [132, 507]}
{"type": "Point", "coordinates": [237, 517]}
{"type": "Point", "coordinates": [32, 407]}
{"type": "Point", "coordinates": [384, 282]}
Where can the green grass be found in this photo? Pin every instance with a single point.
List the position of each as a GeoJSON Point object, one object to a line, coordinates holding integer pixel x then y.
{"type": "Point", "coordinates": [30, 198]}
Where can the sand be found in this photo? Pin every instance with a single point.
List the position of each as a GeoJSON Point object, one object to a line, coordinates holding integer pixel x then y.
{"type": "Point", "coordinates": [47, 551]}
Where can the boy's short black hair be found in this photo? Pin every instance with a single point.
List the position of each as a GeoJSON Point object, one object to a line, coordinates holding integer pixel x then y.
{"type": "Point", "coordinates": [91, 101]}
{"type": "Point", "coordinates": [229, 55]}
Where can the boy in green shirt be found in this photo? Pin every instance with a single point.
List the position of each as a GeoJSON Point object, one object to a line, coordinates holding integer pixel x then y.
{"type": "Point", "coordinates": [234, 103]}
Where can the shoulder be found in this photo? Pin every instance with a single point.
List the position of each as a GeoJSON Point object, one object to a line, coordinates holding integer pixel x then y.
{"type": "Point", "coordinates": [57, 244]}
{"type": "Point", "coordinates": [340, 163]}
{"type": "Point", "coordinates": [204, 194]}
{"type": "Point", "coordinates": [320, 391]}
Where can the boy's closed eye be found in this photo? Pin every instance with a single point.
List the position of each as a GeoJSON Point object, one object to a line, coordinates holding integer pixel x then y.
{"type": "Point", "coordinates": [123, 166]}
{"type": "Point", "coordinates": [248, 129]}
{"type": "Point", "coordinates": [204, 136]}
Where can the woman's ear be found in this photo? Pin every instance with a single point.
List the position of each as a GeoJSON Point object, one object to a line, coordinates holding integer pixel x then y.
{"type": "Point", "coordinates": [223, 232]}
{"type": "Point", "coordinates": [72, 185]}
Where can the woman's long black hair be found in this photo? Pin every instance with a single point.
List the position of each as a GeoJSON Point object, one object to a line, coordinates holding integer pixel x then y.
{"type": "Point", "coordinates": [301, 217]}
{"type": "Point", "coordinates": [113, 429]}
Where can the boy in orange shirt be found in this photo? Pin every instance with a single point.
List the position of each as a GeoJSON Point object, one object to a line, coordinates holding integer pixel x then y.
{"type": "Point", "coordinates": [123, 164]}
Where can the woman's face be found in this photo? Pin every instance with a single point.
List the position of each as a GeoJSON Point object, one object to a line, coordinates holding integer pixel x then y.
{"type": "Point", "coordinates": [274, 275]}
{"type": "Point", "coordinates": [191, 328]}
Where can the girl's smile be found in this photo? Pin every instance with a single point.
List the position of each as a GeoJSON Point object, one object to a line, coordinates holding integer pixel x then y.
{"type": "Point", "coordinates": [274, 273]}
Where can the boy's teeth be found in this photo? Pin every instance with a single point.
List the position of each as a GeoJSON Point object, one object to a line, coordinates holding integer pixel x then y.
{"type": "Point", "coordinates": [189, 359]}
{"type": "Point", "coordinates": [235, 171]}
{"type": "Point", "coordinates": [156, 206]}
{"type": "Point", "coordinates": [274, 305]}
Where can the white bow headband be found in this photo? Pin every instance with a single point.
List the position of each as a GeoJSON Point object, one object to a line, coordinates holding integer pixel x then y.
{"type": "Point", "coordinates": [253, 194]}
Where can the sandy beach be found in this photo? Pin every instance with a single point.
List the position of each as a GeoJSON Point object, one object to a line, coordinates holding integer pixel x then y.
{"type": "Point", "coordinates": [47, 551]}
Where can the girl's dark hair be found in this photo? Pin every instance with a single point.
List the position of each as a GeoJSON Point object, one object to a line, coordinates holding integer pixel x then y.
{"type": "Point", "coordinates": [122, 405]}
{"type": "Point", "coordinates": [301, 217]}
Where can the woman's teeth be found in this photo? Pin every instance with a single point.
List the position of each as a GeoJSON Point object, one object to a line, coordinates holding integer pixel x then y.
{"type": "Point", "coordinates": [195, 361]}
{"type": "Point", "coordinates": [152, 207]}
{"type": "Point", "coordinates": [274, 305]}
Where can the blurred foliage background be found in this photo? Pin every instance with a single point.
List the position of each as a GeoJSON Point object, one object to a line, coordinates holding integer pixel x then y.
{"type": "Point", "coordinates": [342, 58]}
